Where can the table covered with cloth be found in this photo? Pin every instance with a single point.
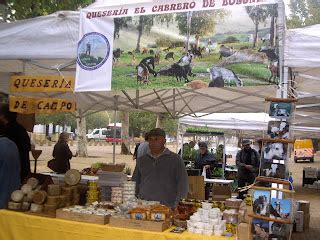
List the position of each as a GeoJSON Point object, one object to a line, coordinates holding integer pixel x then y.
{"type": "Point", "coordinates": [22, 226]}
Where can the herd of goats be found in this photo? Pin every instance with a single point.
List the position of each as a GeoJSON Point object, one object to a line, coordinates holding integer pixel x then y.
{"type": "Point", "coordinates": [182, 69]}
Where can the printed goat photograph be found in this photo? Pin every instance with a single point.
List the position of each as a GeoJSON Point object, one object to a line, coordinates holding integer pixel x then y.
{"type": "Point", "coordinates": [260, 229]}
{"type": "Point", "coordinates": [274, 170]}
{"type": "Point", "coordinates": [261, 202]}
{"type": "Point", "coordinates": [279, 231]}
{"type": "Point", "coordinates": [275, 150]}
{"type": "Point", "coordinates": [280, 208]}
{"type": "Point", "coordinates": [280, 110]}
{"type": "Point", "coordinates": [278, 129]}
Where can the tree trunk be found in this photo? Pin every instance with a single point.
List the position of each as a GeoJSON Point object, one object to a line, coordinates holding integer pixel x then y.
{"type": "Point", "coordinates": [272, 31]}
{"type": "Point", "coordinates": [160, 119]}
{"type": "Point", "coordinates": [125, 146]}
{"type": "Point", "coordinates": [140, 28]}
{"type": "Point", "coordinates": [82, 138]}
{"type": "Point", "coordinates": [255, 34]}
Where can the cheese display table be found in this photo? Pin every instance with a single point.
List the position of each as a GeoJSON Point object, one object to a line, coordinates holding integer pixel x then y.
{"type": "Point", "coordinates": [21, 226]}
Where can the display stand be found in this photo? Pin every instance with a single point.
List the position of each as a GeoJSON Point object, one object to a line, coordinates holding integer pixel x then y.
{"type": "Point", "coordinates": [272, 194]}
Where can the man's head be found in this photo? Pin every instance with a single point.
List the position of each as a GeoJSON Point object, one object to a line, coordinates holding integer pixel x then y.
{"type": "Point", "coordinates": [157, 140]}
{"type": "Point", "coordinates": [203, 147]}
{"type": "Point", "coordinates": [246, 144]}
{"type": "Point", "coordinates": [5, 114]}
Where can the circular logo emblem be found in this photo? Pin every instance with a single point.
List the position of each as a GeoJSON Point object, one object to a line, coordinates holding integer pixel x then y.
{"type": "Point", "coordinates": [93, 51]}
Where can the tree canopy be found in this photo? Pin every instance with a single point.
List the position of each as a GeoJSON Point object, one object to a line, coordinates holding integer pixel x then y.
{"type": "Point", "coordinates": [303, 13]}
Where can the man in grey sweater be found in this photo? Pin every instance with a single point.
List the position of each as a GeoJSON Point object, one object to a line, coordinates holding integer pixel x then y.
{"type": "Point", "coordinates": [160, 175]}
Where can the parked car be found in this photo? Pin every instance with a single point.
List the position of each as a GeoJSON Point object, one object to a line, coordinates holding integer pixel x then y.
{"type": "Point", "coordinates": [303, 150]}
{"type": "Point", "coordinates": [97, 134]}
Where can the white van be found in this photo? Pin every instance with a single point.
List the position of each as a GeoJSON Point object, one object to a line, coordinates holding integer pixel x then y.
{"type": "Point", "coordinates": [97, 134]}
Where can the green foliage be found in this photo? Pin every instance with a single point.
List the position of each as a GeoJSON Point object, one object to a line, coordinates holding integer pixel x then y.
{"type": "Point", "coordinates": [219, 153]}
{"type": "Point", "coordinates": [303, 13]}
{"type": "Point", "coordinates": [56, 119]}
{"type": "Point", "coordinates": [145, 121]}
{"type": "Point", "coordinates": [202, 22]}
{"type": "Point", "coordinates": [98, 120]}
{"type": "Point", "coordinates": [231, 39]}
{"type": "Point", "coordinates": [127, 170]}
{"type": "Point", "coordinates": [23, 9]}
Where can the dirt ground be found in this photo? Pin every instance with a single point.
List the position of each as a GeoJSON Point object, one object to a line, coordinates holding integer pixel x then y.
{"type": "Point", "coordinates": [104, 154]}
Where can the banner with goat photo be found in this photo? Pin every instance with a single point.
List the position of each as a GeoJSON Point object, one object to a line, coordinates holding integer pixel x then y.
{"type": "Point", "coordinates": [174, 44]}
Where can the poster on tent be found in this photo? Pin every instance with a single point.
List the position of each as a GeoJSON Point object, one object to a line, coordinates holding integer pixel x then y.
{"type": "Point", "coordinates": [166, 44]}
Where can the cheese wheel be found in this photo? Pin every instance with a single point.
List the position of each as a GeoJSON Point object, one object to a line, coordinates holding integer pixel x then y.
{"type": "Point", "coordinates": [17, 196]}
{"type": "Point", "coordinates": [72, 177]}
{"type": "Point", "coordinates": [33, 182]}
{"type": "Point", "coordinates": [54, 190]}
{"type": "Point", "coordinates": [62, 201]}
{"type": "Point", "coordinates": [36, 207]}
{"type": "Point", "coordinates": [28, 197]}
{"type": "Point", "coordinates": [39, 197]}
{"type": "Point", "coordinates": [26, 188]}
{"type": "Point", "coordinates": [53, 200]}
{"type": "Point", "coordinates": [25, 205]}
{"type": "Point", "coordinates": [14, 205]}
{"type": "Point", "coordinates": [76, 199]}
{"type": "Point", "coordinates": [49, 209]}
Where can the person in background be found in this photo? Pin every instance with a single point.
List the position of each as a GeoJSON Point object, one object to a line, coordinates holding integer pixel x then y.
{"type": "Point", "coordinates": [160, 175]}
{"type": "Point", "coordinates": [62, 154]}
{"type": "Point", "coordinates": [18, 134]}
{"type": "Point", "coordinates": [204, 161]}
{"type": "Point", "coordinates": [134, 156]}
{"type": "Point", "coordinates": [143, 148]}
{"type": "Point", "coordinates": [248, 162]}
{"type": "Point", "coordinates": [9, 168]}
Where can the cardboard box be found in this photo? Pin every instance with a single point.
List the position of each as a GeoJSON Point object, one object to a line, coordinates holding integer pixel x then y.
{"type": "Point", "coordinates": [196, 187]}
{"type": "Point", "coordinates": [244, 231]}
{"type": "Point", "coordinates": [221, 192]}
{"type": "Point", "coordinates": [140, 224]}
{"type": "Point", "coordinates": [310, 172]}
{"type": "Point", "coordinates": [306, 221]}
{"type": "Point", "coordinates": [304, 206]}
{"type": "Point", "coordinates": [299, 221]}
{"type": "Point", "coordinates": [81, 217]}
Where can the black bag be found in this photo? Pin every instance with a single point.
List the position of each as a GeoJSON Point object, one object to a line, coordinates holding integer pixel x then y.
{"type": "Point", "coordinates": [52, 165]}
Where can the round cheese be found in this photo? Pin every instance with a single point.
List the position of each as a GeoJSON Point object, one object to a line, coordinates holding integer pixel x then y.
{"type": "Point", "coordinates": [26, 188]}
{"type": "Point", "coordinates": [14, 205]}
{"type": "Point", "coordinates": [72, 177]}
{"type": "Point", "coordinates": [39, 197]}
{"type": "Point", "coordinates": [33, 182]}
{"type": "Point", "coordinates": [36, 207]}
{"type": "Point", "coordinates": [54, 190]}
{"type": "Point", "coordinates": [17, 195]}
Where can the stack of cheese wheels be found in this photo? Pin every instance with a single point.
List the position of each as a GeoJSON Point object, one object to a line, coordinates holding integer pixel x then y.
{"type": "Point", "coordinates": [53, 199]}
{"type": "Point", "coordinates": [72, 178]}
{"type": "Point", "coordinates": [21, 199]}
{"type": "Point", "coordinates": [39, 197]}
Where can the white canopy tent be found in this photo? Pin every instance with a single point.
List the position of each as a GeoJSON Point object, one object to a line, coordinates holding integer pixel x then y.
{"type": "Point", "coordinates": [302, 55]}
{"type": "Point", "coordinates": [48, 45]}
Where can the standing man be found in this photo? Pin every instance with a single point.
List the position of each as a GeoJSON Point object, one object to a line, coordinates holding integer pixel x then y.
{"type": "Point", "coordinates": [143, 148]}
{"type": "Point", "coordinates": [248, 162]}
{"type": "Point", "coordinates": [18, 134]}
{"type": "Point", "coordinates": [9, 168]}
{"type": "Point", "coordinates": [205, 160]}
{"type": "Point", "coordinates": [160, 175]}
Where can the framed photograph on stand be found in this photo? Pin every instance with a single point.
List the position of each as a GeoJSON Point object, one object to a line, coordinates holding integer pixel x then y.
{"type": "Point", "coordinates": [278, 129]}
{"type": "Point", "coordinates": [260, 229]}
{"type": "Point", "coordinates": [261, 203]}
{"type": "Point", "coordinates": [281, 110]}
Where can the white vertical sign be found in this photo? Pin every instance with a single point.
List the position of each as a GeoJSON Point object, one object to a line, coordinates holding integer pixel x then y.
{"type": "Point", "coordinates": [94, 55]}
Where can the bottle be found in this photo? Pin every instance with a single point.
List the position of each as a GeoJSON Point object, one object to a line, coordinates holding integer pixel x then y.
{"type": "Point", "coordinates": [291, 181]}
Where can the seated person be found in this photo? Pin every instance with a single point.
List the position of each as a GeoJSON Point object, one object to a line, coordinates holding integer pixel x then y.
{"type": "Point", "coordinates": [204, 160]}
{"type": "Point", "coordinates": [62, 154]}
